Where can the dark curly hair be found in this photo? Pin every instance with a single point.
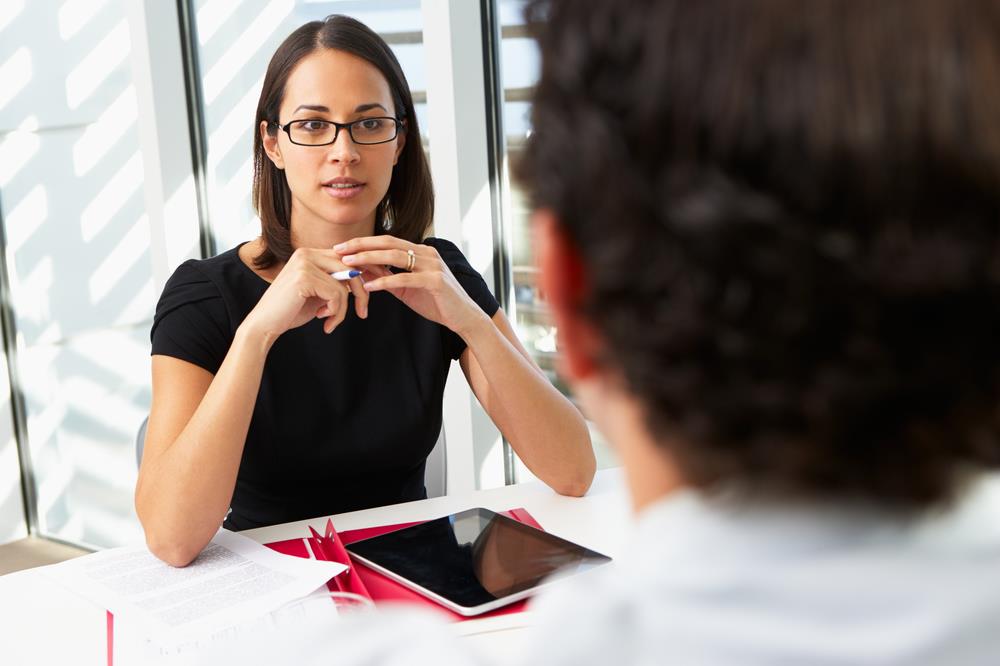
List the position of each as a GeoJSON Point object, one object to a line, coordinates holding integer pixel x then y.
{"type": "Point", "coordinates": [789, 215]}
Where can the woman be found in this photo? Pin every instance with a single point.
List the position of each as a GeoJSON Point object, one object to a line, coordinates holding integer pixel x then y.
{"type": "Point", "coordinates": [280, 392]}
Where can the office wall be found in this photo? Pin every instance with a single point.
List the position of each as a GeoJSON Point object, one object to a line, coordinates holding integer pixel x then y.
{"type": "Point", "coordinates": [12, 522]}
{"type": "Point", "coordinates": [75, 179]}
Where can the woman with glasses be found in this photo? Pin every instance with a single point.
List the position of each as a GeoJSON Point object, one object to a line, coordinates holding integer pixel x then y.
{"type": "Point", "coordinates": [302, 373]}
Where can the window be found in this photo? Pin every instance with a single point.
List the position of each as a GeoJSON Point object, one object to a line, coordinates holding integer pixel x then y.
{"type": "Point", "coordinates": [85, 190]}
{"type": "Point", "coordinates": [519, 70]}
{"type": "Point", "coordinates": [234, 43]}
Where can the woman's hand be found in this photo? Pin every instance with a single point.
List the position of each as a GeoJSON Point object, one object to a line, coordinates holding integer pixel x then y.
{"type": "Point", "coordinates": [428, 287]}
{"type": "Point", "coordinates": [303, 290]}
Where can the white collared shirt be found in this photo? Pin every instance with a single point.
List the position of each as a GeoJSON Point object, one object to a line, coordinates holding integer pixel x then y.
{"type": "Point", "coordinates": [704, 582]}
{"type": "Point", "coordinates": [709, 582]}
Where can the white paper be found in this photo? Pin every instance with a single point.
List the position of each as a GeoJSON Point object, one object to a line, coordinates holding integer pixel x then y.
{"type": "Point", "coordinates": [233, 580]}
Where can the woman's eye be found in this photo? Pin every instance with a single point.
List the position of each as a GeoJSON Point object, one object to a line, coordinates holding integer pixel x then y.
{"type": "Point", "coordinates": [371, 124]}
{"type": "Point", "coordinates": [313, 125]}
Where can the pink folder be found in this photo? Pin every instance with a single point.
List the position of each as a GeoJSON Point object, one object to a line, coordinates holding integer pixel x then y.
{"type": "Point", "coordinates": [369, 583]}
{"type": "Point", "coordinates": [358, 578]}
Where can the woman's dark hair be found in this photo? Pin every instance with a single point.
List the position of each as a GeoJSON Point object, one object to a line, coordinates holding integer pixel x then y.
{"type": "Point", "coordinates": [789, 218]}
{"type": "Point", "coordinates": [408, 207]}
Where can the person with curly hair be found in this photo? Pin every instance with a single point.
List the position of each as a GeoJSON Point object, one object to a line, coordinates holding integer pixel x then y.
{"type": "Point", "coordinates": [769, 233]}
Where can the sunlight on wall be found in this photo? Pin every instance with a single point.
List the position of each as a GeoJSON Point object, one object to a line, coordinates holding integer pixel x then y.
{"type": "Point", "coordinates": [34, 290]}
{"type": "Point", "coordinates": [26, 218]}
{"type": "Point", "coordinates": [138, 308]}
{"type": "Point", "coordinates": [74, 15]}
{"type": "Point", "coordinates": [176, 210]}
{"type": "Point", "coordinates": [111, 199]}
{"type": "Point", "coordinates": [109, 53]}
{"type": "Point", "coordinates": [479, 237]}
{"type": "Point", "coordinates": [100, 137]}
{"type": "Point", "coordinates": [132, 247]}
{"type": "Point", "coordinates": [17, 148]}
{"type": "Point", "coordinates": [74, 197]}
{"type": "Point", "coordinates": [212, 15]}
{"type": "Point", "coordinates": [236, 125]}
{"type": "Point", "coordinates": [15, 73]}
{"type": "Point", "coordinates": [224, 69]}
{"type": "Point", "coordinates": [11, 10]}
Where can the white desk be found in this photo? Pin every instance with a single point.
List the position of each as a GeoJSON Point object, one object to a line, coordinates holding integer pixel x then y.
{"type": "Point", "coordinates": [41, 623]}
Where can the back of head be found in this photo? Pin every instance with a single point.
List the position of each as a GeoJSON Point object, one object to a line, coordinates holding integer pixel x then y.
{"type": "Point", "coordinates": [789, 218]}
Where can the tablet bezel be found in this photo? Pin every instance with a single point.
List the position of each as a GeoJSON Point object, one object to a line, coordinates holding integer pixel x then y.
{"type": "Point", "coordinates": [469, 611]}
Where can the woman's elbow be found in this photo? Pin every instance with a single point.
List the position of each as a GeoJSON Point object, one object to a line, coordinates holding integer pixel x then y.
{"type": "Point", "coordinates": [578, 489]}
{"type": "Point", "coordinates": [174, 552]}
{"type": "Point", "coordinates": [175, 547]}
{"type": "Point", "coordinates": [577, 481]}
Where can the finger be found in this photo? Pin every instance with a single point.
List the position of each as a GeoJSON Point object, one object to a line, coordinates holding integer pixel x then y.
{"type": "Point", "coordinates": [324, 286]}
{"type": "Point", "coordinates": [397, 257]}
{"type": "Point", "coordinates": [338, 313]}
{"type": "Point", "coordinates": [357, 287]}
{"type": "Point", "coordinates": [395, 281]}
{"type": "Point", "coordinates": [380, 242]}
{"type": "Point", "coordinates": [326, 261]}
{"type": "Point", "coordinates": [374, 271]}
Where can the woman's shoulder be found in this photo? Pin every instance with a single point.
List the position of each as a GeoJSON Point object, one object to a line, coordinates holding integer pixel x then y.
{"type": "Point", "coordinates": [208, 268]}
{"type": "Point", "coordinates": [217, 274]}
{"type": "Point", "coordinates": [198, 309]}
{"type": "Point", "coordinates": [222, 277]}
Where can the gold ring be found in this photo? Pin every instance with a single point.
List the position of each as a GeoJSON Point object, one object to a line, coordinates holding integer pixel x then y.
{"type": "Point", "coordinates": [411, 260]}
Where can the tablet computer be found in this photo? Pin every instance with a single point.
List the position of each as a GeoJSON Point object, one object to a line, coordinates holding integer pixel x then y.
{"type": "Point", "coordinates": [473, 561]}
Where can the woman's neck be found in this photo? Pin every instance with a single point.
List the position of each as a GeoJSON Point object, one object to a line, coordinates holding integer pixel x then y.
{"type": "Point", "coordinates": [323, 234]}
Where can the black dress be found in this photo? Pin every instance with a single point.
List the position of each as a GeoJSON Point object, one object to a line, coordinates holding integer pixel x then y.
{"type": "Point", "coordinates": [343, 421]}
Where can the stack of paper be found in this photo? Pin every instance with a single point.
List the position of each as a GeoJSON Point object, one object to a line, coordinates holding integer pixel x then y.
{"type": "Point", "coordinates": [233, 582]}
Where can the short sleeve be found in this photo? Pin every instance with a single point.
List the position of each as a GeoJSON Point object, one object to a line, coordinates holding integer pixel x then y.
{"type": "Point", "coordinates": [471, 281]}
{"type": "Point", "coordinates": [191, 321]}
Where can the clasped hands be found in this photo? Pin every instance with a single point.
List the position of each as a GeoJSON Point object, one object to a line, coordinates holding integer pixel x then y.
{"type": "Point", "coordinates": [304, 289]}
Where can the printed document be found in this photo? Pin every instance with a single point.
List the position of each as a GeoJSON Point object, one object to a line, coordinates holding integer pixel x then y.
{"type": "Point", "coordinates": [233, 580]}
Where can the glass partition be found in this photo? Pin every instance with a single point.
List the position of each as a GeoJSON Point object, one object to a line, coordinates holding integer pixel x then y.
{"type": "Point", "coordinates": [234, 42]}
{"type": "Point", "coordinates": [519, 70]}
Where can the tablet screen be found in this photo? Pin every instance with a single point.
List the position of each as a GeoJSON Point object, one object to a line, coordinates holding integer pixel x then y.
{"type": "Point", "coordinates": [474, 557]}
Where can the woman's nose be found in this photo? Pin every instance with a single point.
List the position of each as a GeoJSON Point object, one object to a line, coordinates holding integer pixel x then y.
{"type": "Point", "coordinates": [343, 148]}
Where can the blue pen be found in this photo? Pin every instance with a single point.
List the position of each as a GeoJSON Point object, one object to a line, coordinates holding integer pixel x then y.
{"type": "Point", "coordinates": [345, 275]}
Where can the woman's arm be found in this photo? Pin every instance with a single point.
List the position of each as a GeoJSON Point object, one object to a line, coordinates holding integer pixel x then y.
{"type": "Point", "coordinates": [198, 423]}
{"type": "Point", "coordinates": [197, 427]}
{"type": "Point", "coordinates": [545, 429]}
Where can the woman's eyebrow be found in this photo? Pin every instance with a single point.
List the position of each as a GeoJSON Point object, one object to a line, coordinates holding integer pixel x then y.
{"type": "Point", "coordinates": [367, 107]}
{"type": "Point", "coordinates": [323, 109]}
{"type": "Point", "coordinates": [312, 107]}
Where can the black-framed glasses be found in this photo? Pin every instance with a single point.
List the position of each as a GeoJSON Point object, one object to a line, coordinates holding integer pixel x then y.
{"type": "Point", "coordinates": [366, 131]}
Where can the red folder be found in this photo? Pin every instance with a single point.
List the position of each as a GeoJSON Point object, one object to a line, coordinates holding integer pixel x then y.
{"type": "Point", "coordinates": [369, 583]}
{"type": "Point", "coordinates": [359, 578]}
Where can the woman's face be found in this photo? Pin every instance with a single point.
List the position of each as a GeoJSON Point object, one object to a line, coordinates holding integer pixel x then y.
{"type": "Point", "coordinates": [341, 183]}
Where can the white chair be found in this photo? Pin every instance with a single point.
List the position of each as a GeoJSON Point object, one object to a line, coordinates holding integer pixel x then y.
{"type": "Point", "coordinates": [140, 441]}
{"type": "Point", "coordinates": [436, 471]}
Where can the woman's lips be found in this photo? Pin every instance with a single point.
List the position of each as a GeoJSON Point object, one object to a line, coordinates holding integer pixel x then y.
{"type": "Point", "coordinates": [343, 190]}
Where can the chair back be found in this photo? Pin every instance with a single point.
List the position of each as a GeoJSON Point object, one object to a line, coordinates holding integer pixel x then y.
{"type": "Point", "coordinates": [140, 441]}
{"type": "Point", "coordinates": [436, 469]}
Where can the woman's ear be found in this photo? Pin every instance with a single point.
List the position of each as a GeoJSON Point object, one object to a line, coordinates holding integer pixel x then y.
{"type": "Point", "coordinates": [270, 143]}
{"type": "Point", "coordinates": [563, 283]}
{"type": "Point", "coordinates": [400, 142]}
